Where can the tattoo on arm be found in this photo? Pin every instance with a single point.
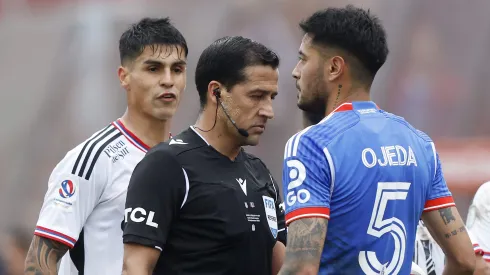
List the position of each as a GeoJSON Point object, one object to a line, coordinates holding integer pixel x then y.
{"type": "Point", "coordinates": [448, 235]}
{"type": "Point", "coordinates": [447, 215]}
{"type": "Point", "coordinates": [43, 256]}
{"type": "Point", "coordinates": [306, 238]}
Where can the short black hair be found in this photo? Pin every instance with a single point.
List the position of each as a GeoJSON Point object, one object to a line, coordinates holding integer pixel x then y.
{"type": "Point", "coordinates": [354, 30]}
{"type": "Point", "coordinates": [225, 61]}
{"type": "Point", "coordinates": [149, 32]}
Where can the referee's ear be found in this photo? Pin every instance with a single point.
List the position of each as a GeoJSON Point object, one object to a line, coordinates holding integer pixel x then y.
{"type": "Point", "coordinates": [122, 73]}
{"type": "Point", "coordinates": [214, 88]}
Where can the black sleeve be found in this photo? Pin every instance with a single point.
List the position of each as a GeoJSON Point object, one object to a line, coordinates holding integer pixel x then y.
{"type": "Point", "coordinates": [281, 223]}
{"type": "Point", "coordinates": [155, 194]}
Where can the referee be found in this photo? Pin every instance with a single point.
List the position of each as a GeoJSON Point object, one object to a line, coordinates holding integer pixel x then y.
{"type": "Point", "coordinates": [199, 204]}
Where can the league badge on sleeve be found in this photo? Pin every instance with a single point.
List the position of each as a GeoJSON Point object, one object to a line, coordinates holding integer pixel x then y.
{"type": "Point", "coordinates": [270, 213]}
{"type": "Point", "coordinates": [67, 189]}
{"type": "Point", "coordinates": [66, 193]}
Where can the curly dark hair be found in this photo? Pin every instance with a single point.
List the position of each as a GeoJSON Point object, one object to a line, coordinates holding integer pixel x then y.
{"type": "Point", "coordinates": [354, 30]}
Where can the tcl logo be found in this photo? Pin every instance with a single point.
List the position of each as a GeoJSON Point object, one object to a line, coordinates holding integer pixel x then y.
{"type": "Point", "coordinates": [139, 215]}
{"type": "Point", "coordinates": [297, 174]}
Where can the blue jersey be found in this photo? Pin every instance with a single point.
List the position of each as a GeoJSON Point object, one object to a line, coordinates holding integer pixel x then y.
{"type": "Point", "coordinates": [372, 175]}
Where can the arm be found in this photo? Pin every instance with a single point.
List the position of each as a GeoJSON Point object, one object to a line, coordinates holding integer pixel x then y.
{"type": "Point", "coordinates": [445, 225]}
{"type": "Point", "coordinates": [154, 199]}
{"type": "Point", "coordinates": [482, 266]}
{"type": "Point", "coordinates": [43, 256]}
{"type": "Point", "coordinates": [139, 259]}
{"type": "Point", "coordinates": [306, 171]}
{"type": "Point", "coordinates": [68, 202]}
{"type": "Point", "coordinates": [305, 246]}
{"type": "Point", "coordinates": [448, 230]}
{"type": "Point", "coordinates": [278, 253]}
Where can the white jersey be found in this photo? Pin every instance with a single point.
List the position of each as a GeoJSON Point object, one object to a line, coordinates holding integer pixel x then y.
{"type": "Point", "coordinates": [84, 205]}
{"type": "Point", "coordinates": [478, 222]}
{"type": "Point", "coordinates": [428, 255]}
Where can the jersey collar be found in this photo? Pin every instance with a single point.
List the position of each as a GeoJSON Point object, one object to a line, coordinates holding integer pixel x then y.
{"type": "Point", "coordinates": [360, 106]}
{"type": "Point", "coordinates": [356, 106]}
{"type": "Point", "coordinates": [130, 136]}
{"type": "Point", "coordinates": [200, 139]}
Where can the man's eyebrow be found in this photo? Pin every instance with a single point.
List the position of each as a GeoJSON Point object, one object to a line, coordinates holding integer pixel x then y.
{"type": "Point", "coordinates": [159, 63]}
{"type": "Point", "coordinates": [180, 63]}
{"type": "Point", "coordinates": [263, 91]}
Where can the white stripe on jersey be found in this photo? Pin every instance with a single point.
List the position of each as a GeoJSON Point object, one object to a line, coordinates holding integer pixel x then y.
{"type": "Point", "coordinates": [332, 169]}
{"type": "Point", "coordinates": [435, 157]}
{"type": "Point", "coordinates": [439, 206]}
{"type": "Point", "coordinates": [186, 188]}
{"type": "Point", "coordinates": [290, 150]}
{"type": "Point", "coordinates": [296, 142]}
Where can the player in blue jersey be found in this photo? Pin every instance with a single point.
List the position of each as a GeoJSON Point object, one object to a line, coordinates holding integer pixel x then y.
{"type": "Point", "coordinates": [364, 174]}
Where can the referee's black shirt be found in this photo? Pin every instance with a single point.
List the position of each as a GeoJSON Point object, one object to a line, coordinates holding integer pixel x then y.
{"type": "Point", "coordinates": [208, 214]}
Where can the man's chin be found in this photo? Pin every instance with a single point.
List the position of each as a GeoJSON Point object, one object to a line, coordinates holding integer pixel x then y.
{"type": "Point", "coordinates": [303, 106]}
{"type": "Point", "coordinates": [311, 107]}
{"type": "Point", "coordinates": [252, 140]}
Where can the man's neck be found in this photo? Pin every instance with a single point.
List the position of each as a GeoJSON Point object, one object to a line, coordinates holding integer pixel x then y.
{"type": "Point", "coordinates": [150, 130]}
{"type": "Point", "coordinates": [352, 94]}
{"type": "Point", "coordinates": [311, 118]}
{"type": "Point", "coordinates": [218, 137]}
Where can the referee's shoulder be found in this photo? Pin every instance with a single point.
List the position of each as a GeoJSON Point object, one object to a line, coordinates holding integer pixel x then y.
{"type": "Point", "coordinates": [255, 161]}
{"type": "Point", "coordinates": [87, 158]}
{"type": "Point", "coordinates": [179, 146]}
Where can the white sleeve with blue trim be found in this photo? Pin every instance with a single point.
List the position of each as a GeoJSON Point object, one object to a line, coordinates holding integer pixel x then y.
{"type": "Point", "coordinates": [307, 178]}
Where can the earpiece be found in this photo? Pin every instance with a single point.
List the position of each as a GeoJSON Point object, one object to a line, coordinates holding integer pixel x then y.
{"type": "Point", "coordinates": [217, 92]}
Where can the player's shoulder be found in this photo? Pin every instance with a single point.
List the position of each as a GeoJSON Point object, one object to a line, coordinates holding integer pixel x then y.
{"type": "Point", "coordinates": [86, 158]}
{"type": "Point", "coordinates": [482, 195]}
{"type": "Point", "coordinates": [484, 188]}
{"type": "Point", "coordinates": [405, 124]}
{"type": "Point", "coordinates": [321, 134]}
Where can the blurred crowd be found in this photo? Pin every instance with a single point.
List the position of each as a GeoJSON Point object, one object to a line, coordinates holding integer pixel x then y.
{"type": "Point", "coordinates": [59, 84]}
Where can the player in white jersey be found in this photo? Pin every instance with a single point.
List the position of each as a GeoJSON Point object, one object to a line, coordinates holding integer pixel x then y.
{"type": "Point", "coordinates": [83, 209]}
{"type": "Point", "coordinates": [428, 255]}
{"type": "Point", "coordinates": [478, 223]}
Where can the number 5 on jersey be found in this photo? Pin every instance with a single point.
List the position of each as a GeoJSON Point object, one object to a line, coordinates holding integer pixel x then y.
{"type": "Point", "coordinates": [297, 175]}
{"type": "Point", "coordinates": [378, 227]}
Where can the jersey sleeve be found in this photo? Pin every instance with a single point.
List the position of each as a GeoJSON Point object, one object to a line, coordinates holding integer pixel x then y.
{"type": "Point", "coordinates": [306, 179]}
{"type": "Point", "coordinates": [478, 221]}
{"type": "Point", "coordinates": [439, 196]}
{"type": "Point", "coordinates": [157, 191]}
{"type": "Point", "coordinates": [69, 200]}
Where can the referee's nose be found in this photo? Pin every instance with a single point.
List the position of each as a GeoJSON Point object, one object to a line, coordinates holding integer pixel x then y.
{"type": "Point", "coordinates": [267, 110]}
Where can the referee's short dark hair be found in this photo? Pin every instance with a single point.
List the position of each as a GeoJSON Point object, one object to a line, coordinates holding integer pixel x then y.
{"type": "Point", "coordinates": [225, 61]}
{"type": "Point", "coordinates": [354, 30]}
{"type": "Point", "coordinates": [149, 32]}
